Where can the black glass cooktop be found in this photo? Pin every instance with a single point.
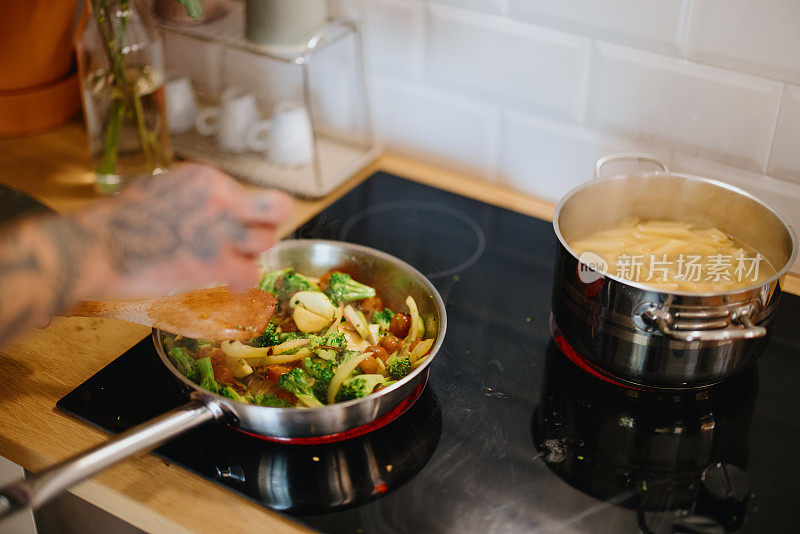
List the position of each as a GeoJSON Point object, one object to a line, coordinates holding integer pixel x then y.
{"type": "Point", "coordinates": [508, 436]}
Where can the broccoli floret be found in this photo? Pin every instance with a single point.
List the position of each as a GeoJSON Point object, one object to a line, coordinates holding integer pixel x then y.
{"type": "Point", "coordinates": [266, 399]}
{"type": "Point", "coordinates": [184, 363]}
{"type": "Point", "coordinates": [269, 279]}
{"type": "Point", "coordinates": [268, 338]}
{"type": "Point", "coordinates": [284, 283]}
{"type": "Point", "coordinates": [383, 318]}
{"type": "Point", "coordinates": [334, 339]}
{"type": "Point", "coordinates": [397, 368]}
{"type": "Point", "coordinates": [288, 336]}
{"type": "Point", "coordinates": [322, 373]}
{"type": "Point", "coordinates": [359, 386]}
{"type": "Point", "coordinates": [290, 283]}
{"type": "Point", "coordinates": [343, 289]}
{"type": "Point", "coordinates": [296, 381]}
{"type": "Point", "coordinates": [232, 394]}
{"type": "Point", "coordinates": [207, 380]}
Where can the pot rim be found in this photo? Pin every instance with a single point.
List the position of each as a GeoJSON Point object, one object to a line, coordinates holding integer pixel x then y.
{"type": "Point", "coordinates": [666, 175]}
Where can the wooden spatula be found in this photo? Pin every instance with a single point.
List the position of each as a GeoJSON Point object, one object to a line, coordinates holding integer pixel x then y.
{"type": "Point", "coordinates": [215, 314]}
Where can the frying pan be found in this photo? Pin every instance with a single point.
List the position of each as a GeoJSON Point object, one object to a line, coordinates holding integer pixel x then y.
{"type": "Point", "coordinates": [395, 280]}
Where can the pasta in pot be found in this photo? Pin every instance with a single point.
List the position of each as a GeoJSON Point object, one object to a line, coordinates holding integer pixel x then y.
{"type": "Point", "coordinates": [677, 256]}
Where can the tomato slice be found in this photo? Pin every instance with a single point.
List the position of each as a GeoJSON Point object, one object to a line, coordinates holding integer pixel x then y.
{"type": "Point", "coordinates": [275, 371]}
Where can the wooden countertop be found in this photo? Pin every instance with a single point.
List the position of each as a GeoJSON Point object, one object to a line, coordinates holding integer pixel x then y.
{"type": "Point", "coordinates": [45, 365]}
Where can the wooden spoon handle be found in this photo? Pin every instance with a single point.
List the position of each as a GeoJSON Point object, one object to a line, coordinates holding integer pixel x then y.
{"type": "Point", "coordinates": [134, 311]}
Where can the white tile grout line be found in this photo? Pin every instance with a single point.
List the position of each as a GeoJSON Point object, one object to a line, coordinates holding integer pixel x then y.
{"type": "Point", "coordinates": [771, 145]}
{"type": "Point", "coordinates": [684, 26]}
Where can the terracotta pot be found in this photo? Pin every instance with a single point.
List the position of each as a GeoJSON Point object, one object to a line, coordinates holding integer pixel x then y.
{"type": "Point", "coordinates": [38, 84]}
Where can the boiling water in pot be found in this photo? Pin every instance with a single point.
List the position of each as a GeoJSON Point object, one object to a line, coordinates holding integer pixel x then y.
{"type": "Point", "coordinates": [676, 256]}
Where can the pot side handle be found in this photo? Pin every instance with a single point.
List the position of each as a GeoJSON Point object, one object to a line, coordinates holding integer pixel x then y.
{"type": "Point", "coordinates": [36, 489]}
{"type": "Point", "coordinates": [625, 156]}
{"type": "Point", "coordinates": [744, 329]}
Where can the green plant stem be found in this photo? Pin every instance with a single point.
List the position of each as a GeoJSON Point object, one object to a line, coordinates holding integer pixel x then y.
{"type": "Point", "coordinates": [109, 163]}
{"type": "Point", "coordinates": [128, 101]}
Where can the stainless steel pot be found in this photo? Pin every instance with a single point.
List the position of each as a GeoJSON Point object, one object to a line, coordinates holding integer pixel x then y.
{"type": "Point", "coordinates": [665, 339]}
{"type": "Point", "coordinates": [312, 257]}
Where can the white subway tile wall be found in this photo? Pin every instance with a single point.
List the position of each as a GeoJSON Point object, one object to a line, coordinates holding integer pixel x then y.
{"type": "Point", "coordinates": [437, 125]}
{"type": "Point", "coordinates": [650, 25]}
{"type": "Point", "coordinates": [758, 37]}
{"type": "Point", "coordinates": [528, 93]}
{"type": "Point", "coordinates": [506, 61]}
{"type": "Point", "coordinates": [696, 108]}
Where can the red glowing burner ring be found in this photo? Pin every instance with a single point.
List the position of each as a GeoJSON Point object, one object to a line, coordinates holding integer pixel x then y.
{"type": "Point", "coordinates": [580, 361]}
{"type": "Point", "coordinates": [381, 421]}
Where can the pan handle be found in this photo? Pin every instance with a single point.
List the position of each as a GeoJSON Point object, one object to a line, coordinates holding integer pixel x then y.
{"type": "Point", "coordinates": [623, 156]}
{"type": "Point", "coordinates": [38, 488]}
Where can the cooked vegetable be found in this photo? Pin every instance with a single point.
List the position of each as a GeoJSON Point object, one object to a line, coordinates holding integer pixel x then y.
{"type": "Point", "coordinates": [400, 325]}
{"type": "Point", "coordinates": [383, 318]}
{"type": "Point", "coordinates": [345, 368]}
{"type": "Point", "coordinates": [266, 399]}
{"type": "Point", "coordinates": [359, 386]}
{"type": "Point", "coordinates": [285, 282]}
{"type": "Point", "coordinates": [290, 283]}
{"type": "Point", "coordinates": [232, 394]}
{"type": "Point", "coordinates": [397, 367]}
{"type": "Point", "coordinates": [416, 322]}
{"type": "Point", "coordinates": [343, 289]}
{"type": "Point", "coordinates": [335, 340]}
{"type": "Point", "coordinates": [184, 363]}
{"type": "Point", "coordinates": [357, 321]}
{"type": "Point", "coordinates": [207, 380]}
{"type": "Point", "coordinates": [268, 281]}
{"type": "Point", "coordinates": [267, 338]}
{"type": "Point", "coordinates": [314, 301]}
{"type": "Point", "coordinates": [296, 381]}
{"type": "Point", "coordinates": [419, 349]}
{"type": "Point", "coordinates": [322, 373]}
{"type": "Point", "coordinates": [320, 347]}
{"type": "Point", "coordinates": [239, 366]}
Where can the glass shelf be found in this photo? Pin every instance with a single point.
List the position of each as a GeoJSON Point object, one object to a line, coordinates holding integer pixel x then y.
{"type": "Point", "coordinates": [228, 31]}
{"type": "Point", "coordinates": [336, 156]}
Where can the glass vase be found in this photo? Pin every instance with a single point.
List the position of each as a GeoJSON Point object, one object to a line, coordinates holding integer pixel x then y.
{"type": "Point", "coordinates": [121, 67]}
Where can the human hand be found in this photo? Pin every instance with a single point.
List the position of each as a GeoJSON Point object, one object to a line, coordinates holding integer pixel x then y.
{"type": "Point", "coordinates": [186, 228]}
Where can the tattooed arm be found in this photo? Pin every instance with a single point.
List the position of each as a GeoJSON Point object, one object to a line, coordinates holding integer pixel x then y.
{"type": "Point", "coordinates": [180, 230]}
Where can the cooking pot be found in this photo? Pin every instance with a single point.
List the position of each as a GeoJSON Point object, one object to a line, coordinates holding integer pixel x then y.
{"type": "Point", "coordinates": [656, 338]}
{"type": "Point", "coordinates": [396, 280]}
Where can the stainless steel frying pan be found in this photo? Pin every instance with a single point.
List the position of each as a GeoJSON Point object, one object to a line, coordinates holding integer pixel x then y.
{"type": "Point", "coordinates": [396, 279]}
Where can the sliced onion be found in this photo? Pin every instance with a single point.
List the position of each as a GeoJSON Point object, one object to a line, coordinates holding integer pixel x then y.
{"type": "Point", "coordinates": [413, 332]}
{"type": "Point", "coordinates": [420, 350]}
{"type": "Point", "coordinates": [337, 316]}
{"type": "Point", "coordinates": [290, 345]}
{"type": "Point", "coordinates": [357, 320]}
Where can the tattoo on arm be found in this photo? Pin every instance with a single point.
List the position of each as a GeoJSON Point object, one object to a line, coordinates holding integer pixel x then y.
{"type": "Point", "coordinates": [162, 225]}
{"type": "Point", "coordinates": [40, 264]}
{"type": "Point", "coordinates": [70, 241]}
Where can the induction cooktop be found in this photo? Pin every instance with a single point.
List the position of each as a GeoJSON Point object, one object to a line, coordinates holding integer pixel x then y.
{"type": "Point", "coordinates": [509, 435]}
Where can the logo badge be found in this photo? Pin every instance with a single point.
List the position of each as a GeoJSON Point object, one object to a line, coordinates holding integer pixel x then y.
{"type": "Point", "coordinates": [591, 267]}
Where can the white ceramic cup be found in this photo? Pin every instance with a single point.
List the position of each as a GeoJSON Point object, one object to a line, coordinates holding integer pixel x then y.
{"type": "Point", "coordinates": [287, 138]}
{"type": "Point", "coordinates": [181, 105]}
{"type": "Point", "coordinates": [231, 121]}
